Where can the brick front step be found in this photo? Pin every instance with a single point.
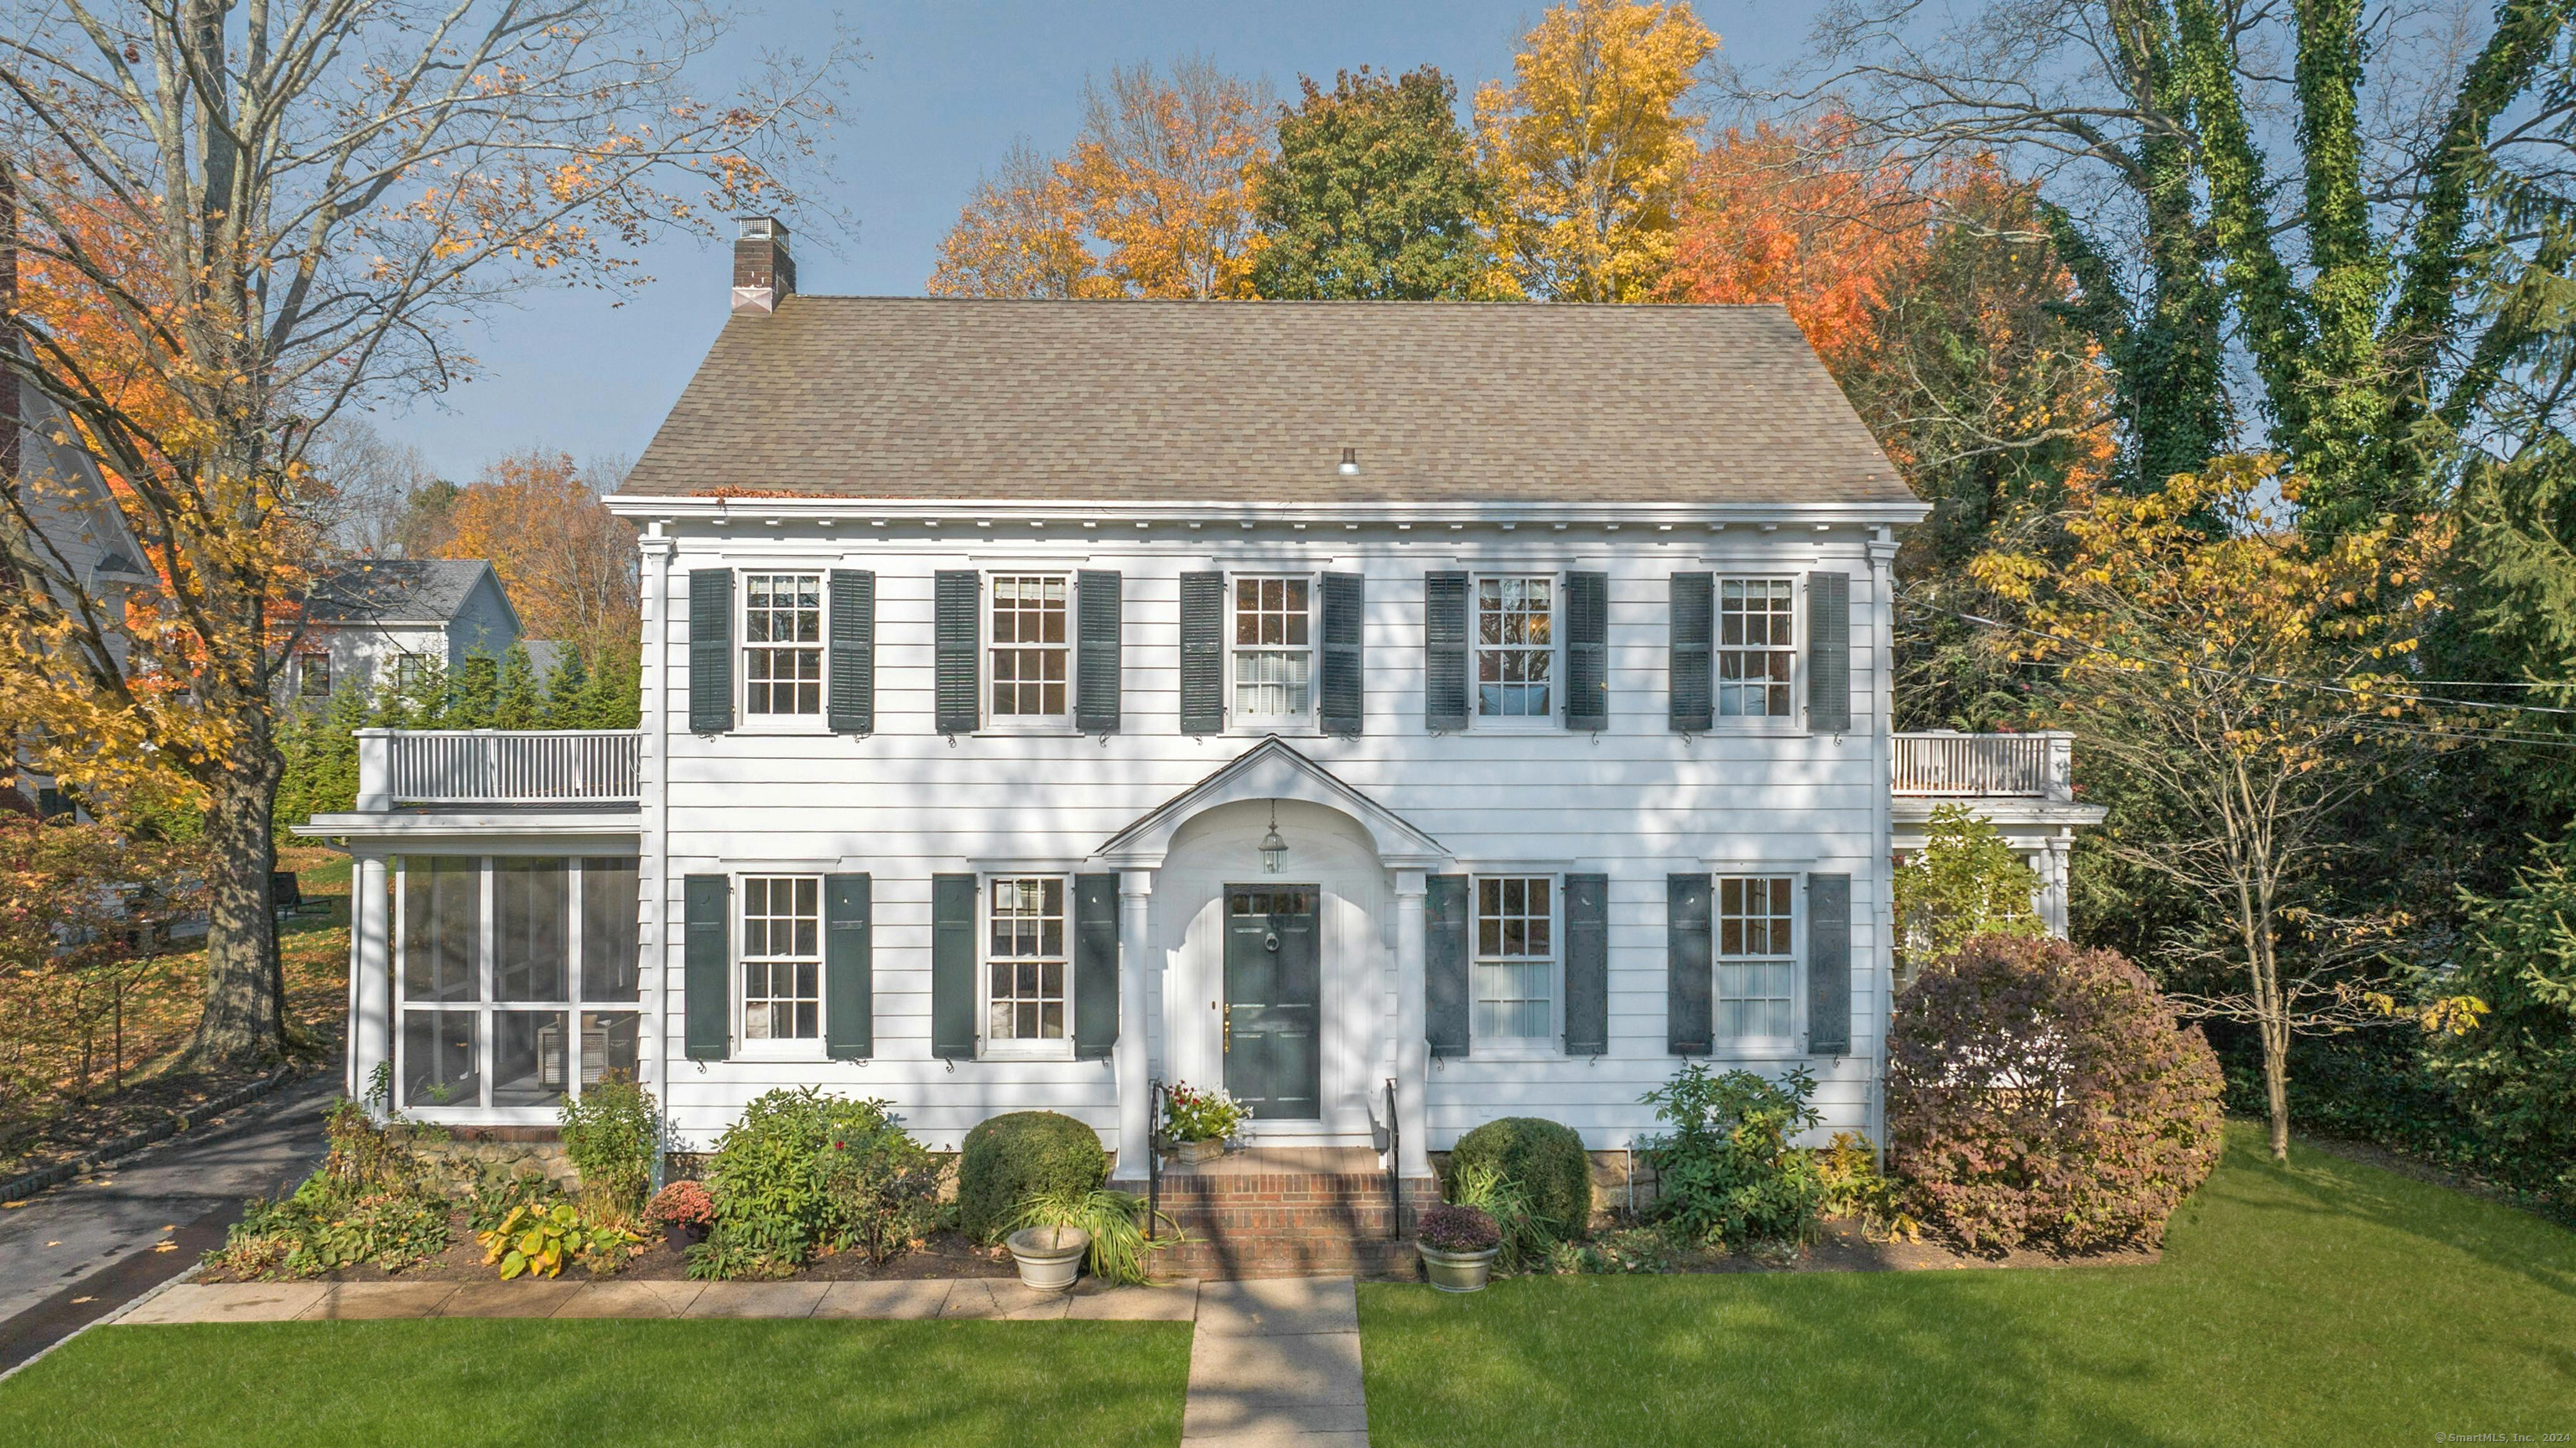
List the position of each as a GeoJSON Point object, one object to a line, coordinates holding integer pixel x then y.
{"type": "Point", "coordinates": [1262, 1223]}
{"type": "Point", "coordinates": [1238, 1257]}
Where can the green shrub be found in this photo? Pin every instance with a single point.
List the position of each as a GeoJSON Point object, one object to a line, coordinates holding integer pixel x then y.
{"type": "Point", "coordinates": [1726, 1173]}
{"type": "Point", "coordinates": [1527, 1236]}
{"type": "Point", "coordinates": [803, 1171]}
{"type": "Point", "coordinates": [1121, 1254]}
{"type": "Point", "coordinates": [1011, 1158]}
{"type": "Point", "coordinates": [2511, 1060]}
{"type": "Point", "coordinates": [369, 1202]}
{"type": "Point", "coordinates": [2037, 1093]}
{"type": "Point", "coordinates": [610, 1133]}
{"type": "Point", "coordinates": [1545, 1160]}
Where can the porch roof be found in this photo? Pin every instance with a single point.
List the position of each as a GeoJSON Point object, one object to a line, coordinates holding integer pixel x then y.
{"type": "Point", "coordinates": [1271, 769]}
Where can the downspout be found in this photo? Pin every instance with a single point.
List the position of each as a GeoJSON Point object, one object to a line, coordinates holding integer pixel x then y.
{"type": "Point", "coordinates": [656, 726]}
{"type": "Point", "coordinates": [1882, 694]}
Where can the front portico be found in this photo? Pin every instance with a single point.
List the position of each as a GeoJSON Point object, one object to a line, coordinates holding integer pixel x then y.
{"type": "Point", "coordinates": [1195, 879]}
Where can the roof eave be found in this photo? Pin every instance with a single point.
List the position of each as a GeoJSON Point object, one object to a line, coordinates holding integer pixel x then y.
{"type": "Point", "coordinates": [714, 508]}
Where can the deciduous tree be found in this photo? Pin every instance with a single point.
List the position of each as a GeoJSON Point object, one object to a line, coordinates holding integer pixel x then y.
{"type": "Point", "coordinates": [568, 563]}
{"type": "Point", "coordinates": [1374, 195]}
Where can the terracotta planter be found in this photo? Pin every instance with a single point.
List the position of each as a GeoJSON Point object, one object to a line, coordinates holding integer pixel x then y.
{"type": "Point", "coordinates": [1049, 1257]}
{"type": "Point", "coordinates": [1456, 1271]}
{"type": "Point", "coordinates": [1191, 1153]}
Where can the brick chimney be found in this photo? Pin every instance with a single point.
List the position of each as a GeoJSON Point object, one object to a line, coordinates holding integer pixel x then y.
{"type": "Point", "coordinates": [763, 272]}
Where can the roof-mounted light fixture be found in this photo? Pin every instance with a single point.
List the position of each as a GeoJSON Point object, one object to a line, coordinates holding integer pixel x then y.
{"type": "Point", "coordinates": [1350, 462]}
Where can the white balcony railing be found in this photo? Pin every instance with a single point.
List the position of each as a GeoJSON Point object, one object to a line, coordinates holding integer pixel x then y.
{"type": "Point", "coordinates": [2035, 766]}
{"type": "Point", "coordinates": [498, 767]}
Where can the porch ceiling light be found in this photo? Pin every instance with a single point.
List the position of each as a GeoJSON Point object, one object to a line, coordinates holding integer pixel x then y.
{"type": "Point", "coordinates": [1274, 850]}
{"type": "Point", "coordinates": [1350, 462]}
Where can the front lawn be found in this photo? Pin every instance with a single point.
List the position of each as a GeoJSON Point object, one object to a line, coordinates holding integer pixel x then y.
{"type": "Point", "coordinates": [546, 1382]}
{"type": "Point", "coordinates": [2325, 1302]}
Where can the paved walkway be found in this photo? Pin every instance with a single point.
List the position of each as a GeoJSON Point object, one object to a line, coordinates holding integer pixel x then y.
{"type": "Point", "coordinates": [1277, 1362]}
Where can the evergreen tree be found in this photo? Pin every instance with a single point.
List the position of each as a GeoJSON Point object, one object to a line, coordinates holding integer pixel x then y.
{"type": "Point", "coordinates": [1374, 195]}
{"type": "Point", "coordinates": [568, 690]}
{"type": "Point", "coordinates": [516, 703]}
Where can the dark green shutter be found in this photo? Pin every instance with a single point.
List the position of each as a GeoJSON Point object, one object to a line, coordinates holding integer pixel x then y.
{"type": "Point", "coordinates": [1690, 966]}
{"type": "Point", "coordinates": [1829, 965]}
{"type": "Point", "coordinates": [1095, 966]}
{"type": "Point", "coordinates": [1587, 965]}
{"type": "Point", "coordinates": [1587, 651]}
{"type": "Point", "coordinates": [853, 707]}
{"type": "Point", "coordinates": [1829, 653]}
{"type": "Point", "coordinates": [1095, 693]}
{"type": "Point", "coordinates": [710, 650]}
{"type": "Point", "coordinates": [960, 594]}
{"type": "Point", "coordinates": [952, 967]}
{"type": "Point", "coordinates": [708, 967]}
{"type": "Point", "coordinates": [849, 988]}
{"type": "Point", "coordinates": [1202, 653]}
{"type": "Point", "coordinates": [1444, 652]}
{"type": "Point", "coordinates": [1445, 988]}
{"type": "Point", "coordinates": [1694, 615]}
{"type": "Point", "coordinates": [1345, 690]}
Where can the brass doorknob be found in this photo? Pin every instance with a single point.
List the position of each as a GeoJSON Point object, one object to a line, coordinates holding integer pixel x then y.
{"type": "Point", "coordinates": [1229, 1030]}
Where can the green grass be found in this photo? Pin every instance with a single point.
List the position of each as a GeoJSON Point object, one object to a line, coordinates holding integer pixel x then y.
{"type": "Point", "coordinates": [2322, 1302]}
{"type": "Point", "coordinates": [460, 1382]}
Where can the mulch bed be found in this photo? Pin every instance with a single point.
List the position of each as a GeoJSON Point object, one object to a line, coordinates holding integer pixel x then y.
{"type": "Point", "coordinates": [944, 1255]}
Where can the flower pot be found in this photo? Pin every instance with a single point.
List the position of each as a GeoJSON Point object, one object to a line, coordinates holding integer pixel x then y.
{"type": "Point", "coordinates": [1191, 1153]}
{"type": "Point", "coordinates": [685, 1235]}
{"type": "Point", "coordinates": [1049, 1257]}
{"type": "Point", "coordinates": [1456, 1271]}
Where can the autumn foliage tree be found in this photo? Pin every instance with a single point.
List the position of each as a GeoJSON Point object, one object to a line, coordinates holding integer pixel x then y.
{"type": "Point", "coordinates": [566, 561]}
{"type": "Point", "coordinates": [1374, 195]}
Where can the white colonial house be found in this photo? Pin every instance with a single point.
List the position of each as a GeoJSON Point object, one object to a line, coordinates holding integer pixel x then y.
{"type": "Point", "coordinates": [1402, 715]}
{"type": "Point", "coordinates": [374, 621]}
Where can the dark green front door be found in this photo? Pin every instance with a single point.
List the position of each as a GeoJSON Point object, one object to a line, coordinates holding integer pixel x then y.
{"type": "Point", "coordinates": [1272, 1063]}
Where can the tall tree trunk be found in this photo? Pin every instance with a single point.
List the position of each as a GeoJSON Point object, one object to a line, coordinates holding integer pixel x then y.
{"type": "Point", "coordinates": [2276, 1083]}
{"type": "Point", "coordinates": [244, 1019]}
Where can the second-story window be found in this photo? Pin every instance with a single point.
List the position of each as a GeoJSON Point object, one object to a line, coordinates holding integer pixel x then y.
{"type": "Point", "coordinates": [1274, 652]}
{"type": "Point", "coordinates": [1031, 650]}
{"type": "Point", "coordinates": [313, 675]}
{"type": "Point", "coordinates": [1516, 648]}
{"type": "Point", "coordinates": [1756, 652]}
{"type": "Point", "coordinates": [782, 643]}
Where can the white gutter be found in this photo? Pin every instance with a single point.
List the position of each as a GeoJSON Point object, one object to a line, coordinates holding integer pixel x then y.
{"type": "Point", "coordinates": [1882, 568]}
{"type": "Point", "coordinates": [1094, 513]}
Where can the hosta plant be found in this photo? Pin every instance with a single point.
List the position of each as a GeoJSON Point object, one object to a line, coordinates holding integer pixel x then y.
{"type": "Point", "coordinates": [539, 1241]}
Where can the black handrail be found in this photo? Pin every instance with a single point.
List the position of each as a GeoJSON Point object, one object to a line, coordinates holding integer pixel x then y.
{"type": "Point", "coordinates": [1394, 1159]}
{"type": "Point", "coordinates": [1153, 1157]}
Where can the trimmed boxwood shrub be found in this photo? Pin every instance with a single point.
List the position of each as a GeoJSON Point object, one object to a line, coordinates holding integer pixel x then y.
{"type": "Point", "coordinates": [1544, 1159]}
{"type": "Point", "coordinates": [1013, 1157]}
{"type": "Point", "coordinates": [2041, 1094]}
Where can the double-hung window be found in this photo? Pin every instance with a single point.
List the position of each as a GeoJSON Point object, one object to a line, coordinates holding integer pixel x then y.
{"type": "Point", "coordinates": [1757, 651]}
{"type": "Point", "coordinates": [1030, 649]}
{"type": "Point", "coordinates": [1274, 651]}
{"type": "Point", "coordinates": [313, 675]}
{"type": "Point", "coordinates": [1516, 955]}
{"type": "Point", "coordinates": [782, 958]}
{"type": "Point", "coordinates": [518, 976]}
{"type": "Point", "coordinates": [1026, 966]}
{"type": "Point", "coordinates": [1515, 644]}
{"type": "Point", "coordinates": [1756, 969]}
{"type": "Point", "coordinates": [782, 644]}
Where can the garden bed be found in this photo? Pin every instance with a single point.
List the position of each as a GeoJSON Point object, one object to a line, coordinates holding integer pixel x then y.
{"type": "Point", "coordinates": [941, 1255]}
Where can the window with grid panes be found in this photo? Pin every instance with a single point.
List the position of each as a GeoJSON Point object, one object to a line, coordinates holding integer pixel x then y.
{"type": "Point", "coordinates": [1274, 653]}
{"type": "Point", "coordinates": [1756, 651]}
{"type": "Point", "coordinates": [782, 958]}
{"type": "Point", "coordinates": [1755, 965]}
{"type": "Point", "coordinates": [1516, 648]}
{"type": "Point", "coordinates": [782, 648]}
{"type": "Point", "coordinates": [1515, 957]}
{"type": "Point", "coordinates": [1025, 962]}
{"type": "Point", "coordinates": [1030, 652]}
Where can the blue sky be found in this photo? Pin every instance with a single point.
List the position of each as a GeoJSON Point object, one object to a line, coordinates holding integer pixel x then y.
{"type": "Point", "coordinates": [947, 86]}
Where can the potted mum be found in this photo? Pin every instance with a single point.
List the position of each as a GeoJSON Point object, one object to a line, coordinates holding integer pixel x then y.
{"type": "Point", "coordinates": [1457, 1246]}
{"type": "Point", "coordinates": [684, 1210]}
{"type": "Point", "coordinates": [1200, 1123]}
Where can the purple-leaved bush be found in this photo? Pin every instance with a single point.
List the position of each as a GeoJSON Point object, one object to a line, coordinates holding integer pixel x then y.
{"type": "Point", "coordinates": [1457, 1229]}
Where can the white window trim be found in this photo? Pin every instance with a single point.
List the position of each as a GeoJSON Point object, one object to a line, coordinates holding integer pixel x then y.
{"type": "Point", "coordinates": [987, 1048]}
{"type": "Point", "coordinates": [1793, 722]}
{"type": "Point", "coordinates": [745, 721]}
{"type": "Point", "coordinates": [1550, 1047]}
{"type": "Point", "coordinates": [1791, 1044]}
{"type": "Point", "coordinates": [1310, 721]}
{"type": "Point", "coordinates": [1554, 720]}
{"type": "Point", "coordinates": [1025, 724]}
{"type": "Point", "coordinates": [775, 1048]}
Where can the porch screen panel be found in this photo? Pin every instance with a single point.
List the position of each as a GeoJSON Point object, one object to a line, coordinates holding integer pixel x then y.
{"type": "Point", "coordinates": [851, 675]}
{"type": "Point", "coordinates": [531, 938]}
{"type": "Point", "coordinates": [1095, 966]}
{"type": "Point", "coordinates": [1444, 652]}
{"type": "Point", "coordinates": [1587, 965]}
{"type": "Point", "coordinates": [1690, 963]}
{"type": "Point", "coordinates": [442, 925]}
{"type": "Point", "coordinates": [956, 637]}
{"type": "Point", "coordinates": [952, 967]}
{"type": "Point", "coordinates": [707, 954]}
{"type": "Point", "coordinates": [849, 1027]}
{"type": "Point", "coordinates": [1587, 651]}
{"type": "Point", "coordinates": [1694, 617]}
{"type": "Point", "coordinates": [1829, 965]}
{"type": "Point", "coordinates": [1446, 960]}
{"type": "Point", "coordinates": [1829, 652]}
{"type": "Point", "coordinates": [609, 899]}
{"type": "Point", "coordinates": [1096, 600]}
{"type": "Point", "coordinates": [1202, 653]}
{"type": "Point", "coordinates": [1345, 631]}
{"type": "Point", "coordinates": [710, 650]}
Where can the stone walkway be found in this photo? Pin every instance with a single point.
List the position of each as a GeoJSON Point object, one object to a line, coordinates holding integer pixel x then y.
{"type": "Point", "coordinates": [1276, 1362]}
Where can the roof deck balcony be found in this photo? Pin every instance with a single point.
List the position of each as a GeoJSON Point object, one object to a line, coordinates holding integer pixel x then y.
{"type": "Point", "coordinates": [498, 768]}
{"type": "Point", "coordinates": [1943, 763]}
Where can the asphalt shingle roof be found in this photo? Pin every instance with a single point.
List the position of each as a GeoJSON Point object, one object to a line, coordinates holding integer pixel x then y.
{"type": "Point", "coordinates": [406, 590]}
{"type": "Point", "coordinates": [1164, 402]}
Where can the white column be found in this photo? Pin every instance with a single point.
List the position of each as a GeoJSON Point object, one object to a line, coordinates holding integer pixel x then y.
{"type": "Point", "coordinates": [2052, 887]}
{"type": "Point", "coordinates": [653, 867]}
{"type": "Point", "coordinates": [371, 971]}
{"type": "Point", "coordinates": [1412, 1029]}
{"type": "Point", "coordinates": [1135, 969]}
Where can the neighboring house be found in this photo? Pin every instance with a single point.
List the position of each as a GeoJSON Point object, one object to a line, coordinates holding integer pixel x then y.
{"type": "Point", "coordinates": [370, 619]}
{"type": "Point", "coordinates": [1403, 715]}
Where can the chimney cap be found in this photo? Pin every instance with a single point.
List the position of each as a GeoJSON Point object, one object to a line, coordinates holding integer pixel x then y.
{"type": "Point", "coordinates": [758, 228]}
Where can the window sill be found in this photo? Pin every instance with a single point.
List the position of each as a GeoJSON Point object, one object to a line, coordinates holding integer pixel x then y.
{"type": "Point", "coordinates": [1041, 1054]}
{"type": "Point", "coordinates": [1516, 1052]}
{"type": "Point", "coordinates": [776, 1050]}
{"type": "Point", "coordinates": [1054, 728]}
{"type": "Point", "coordinates": [775, 724]}
{"type": "Point", "coordinates": [1482, 725]}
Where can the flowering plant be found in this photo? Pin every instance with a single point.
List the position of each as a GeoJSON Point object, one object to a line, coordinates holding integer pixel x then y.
{"type": "Point", "coordinates": [682, 1204]}
{"type": "Point", "coordinates": [1190, 1114]}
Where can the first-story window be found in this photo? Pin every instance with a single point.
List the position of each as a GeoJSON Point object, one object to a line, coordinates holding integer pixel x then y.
{"type": "Point", "coordinates": [782, 643]}
{"type": "Point", "coordinates": [782, 958]}
{"type": "Point", "coordinates": [1515, 957]}
{"type": "Point", "coordinates": [313, 675]}
{"type": "Point", "coordinates": [411, 671]}
{"type": "Point", "coordinates": [1025, 966]}
{"type": "Point", "coordinates": [1516, 648]}
{"type": "Point", "coordinates": [1031, 649]}
{"type": "Point", "coordinates": [1756, 650]}
{"type": "Point", "coordinates": [518, 978]}
{"type": "Point", "coordinates": [1274, 652]}
{"type": "Point", "coordinates": [1755, 965]}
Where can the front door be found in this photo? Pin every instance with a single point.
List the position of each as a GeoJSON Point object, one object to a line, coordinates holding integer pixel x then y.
{"type": "Point", "coordinates": [1272, 982]}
